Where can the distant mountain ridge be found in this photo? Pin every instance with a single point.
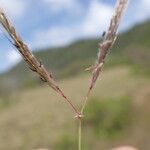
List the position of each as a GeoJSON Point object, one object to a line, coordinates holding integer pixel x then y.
{"type": "Point", "coordinates": [131, 48]}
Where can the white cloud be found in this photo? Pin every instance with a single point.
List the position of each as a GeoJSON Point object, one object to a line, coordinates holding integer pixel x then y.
{"type": "Point", "coordinates": [54, 37]}
{"type": "Point", "coordinates": [13, 57]}
{"type": "Point", "coordinates": [15, 8]}
{"type": "Point", "coordinates": [8, 59]}
{"type": "Point", "coordinates": [60, 3]}
{"type": "Point", "coordinates": [146, 2]}
{"type": "Point", "coordinates": [95, 21]}
{"type": "Point", "coordinates": [56, 6]}
{"type": "Point", "coordinates": [138, 11]}
{"type": "Point", "coordinates": [97, 18]}
{"type": "Point", "coordinates": [144, 9]}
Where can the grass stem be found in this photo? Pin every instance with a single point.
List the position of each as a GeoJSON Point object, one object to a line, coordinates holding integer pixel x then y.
{"type": "Point", "coordinates": [79, 133]}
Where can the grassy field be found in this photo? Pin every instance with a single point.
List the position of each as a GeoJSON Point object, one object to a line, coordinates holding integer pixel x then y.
{"type": "Point", "coordinates": [38, 117]}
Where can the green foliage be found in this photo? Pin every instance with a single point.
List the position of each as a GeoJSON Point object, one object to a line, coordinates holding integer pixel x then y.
{"type": "Point", "coordinates": [110, 117]}
{"type": "Point", "coordinates": [66, 142]}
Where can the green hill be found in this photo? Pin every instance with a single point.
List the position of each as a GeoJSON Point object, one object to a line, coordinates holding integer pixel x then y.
{"type": "Point", "coordinates": [118, 114]}
{"type": "Point", "coordinates": [131, 48]}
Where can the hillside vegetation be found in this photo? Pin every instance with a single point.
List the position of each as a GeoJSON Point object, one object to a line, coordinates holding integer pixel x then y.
{"type": "Point", "coordinates": [131, 48]}
{"type": "Point", "coordinates": [40, 118]}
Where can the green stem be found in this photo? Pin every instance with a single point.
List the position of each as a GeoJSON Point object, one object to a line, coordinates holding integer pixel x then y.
{"type": "Point", "coordinates": [79, 134]}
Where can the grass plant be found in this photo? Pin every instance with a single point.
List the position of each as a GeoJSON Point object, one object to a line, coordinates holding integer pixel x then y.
{"type": "Point", "coordinates": [36, 66]}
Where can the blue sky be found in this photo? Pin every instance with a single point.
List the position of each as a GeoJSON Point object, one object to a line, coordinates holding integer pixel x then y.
{"type": "Point", "coordinates": [55, 23]}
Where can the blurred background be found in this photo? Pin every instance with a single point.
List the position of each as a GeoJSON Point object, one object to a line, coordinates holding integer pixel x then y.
{"type": "Point", "coordinates": [64, 35]}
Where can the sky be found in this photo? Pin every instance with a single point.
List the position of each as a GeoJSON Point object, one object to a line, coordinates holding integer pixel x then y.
{"type": "Point", "coordinates": [57, 23]}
